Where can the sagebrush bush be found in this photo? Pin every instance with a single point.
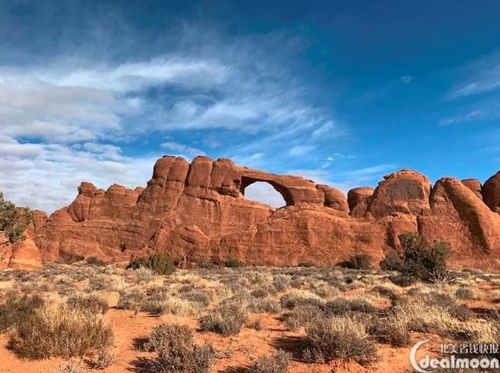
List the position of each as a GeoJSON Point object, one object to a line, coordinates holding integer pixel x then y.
{"type": "Point", "coordinates": [392, 330]}
{"type": "Point", "coordinates": [360, 261]}
{"type": "Point", "coordinates": [88, 303]}
{"type": "Point", "coordinates": [338, 337]}
{"type": "Point", "coordinates": [226, 319]}
{"type": "Point", "coordinates": [159, 263]}
{"type": "Point", "coordinates": [465, 293]}
{"type": "Point", "coordinates": [15, 309]}
{"type": "Point", "coordinates": [176, 351]}
{"type": "Point", "coordinates": [299, 298]}
{"type": "Point", "coordinates": [418, 259]}
{"type": "Point", "coordinates": [302, 316]}
{"type": "Point", "coordinates": [59, 331]}
{"type": "Point", "coordinates": [276, 363]}
{"type": "Point", "coordinates": [342, 306]}
{"type": "Point", "coordinates": [233, 263]}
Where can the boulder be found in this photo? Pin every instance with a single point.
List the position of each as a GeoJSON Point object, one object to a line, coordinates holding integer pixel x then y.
{"type": "Point", "coordinates": [491, 192]}
{"type": "Point", "coordinates": [474, 185]}
{"type": "Point", "coordinates": [359, 200]}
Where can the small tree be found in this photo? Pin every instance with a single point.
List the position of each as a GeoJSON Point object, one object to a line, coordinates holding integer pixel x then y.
{"type": "Point", "coordinates": [418, 259]}
{"type": "Point", "coordinates": [13, 220]}
{"type": "Point", "coordinates": [159, 263]}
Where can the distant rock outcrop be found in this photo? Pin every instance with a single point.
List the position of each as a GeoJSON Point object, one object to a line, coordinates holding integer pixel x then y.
{"type": "Point", "coordinates": [198, 212]}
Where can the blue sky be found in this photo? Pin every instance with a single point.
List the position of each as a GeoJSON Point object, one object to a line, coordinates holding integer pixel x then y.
{"type": "Point", "coordinates": [339, 92]}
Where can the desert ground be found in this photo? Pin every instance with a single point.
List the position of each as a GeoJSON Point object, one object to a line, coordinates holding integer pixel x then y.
{"type": "Point", "coordinates": [84, 317]}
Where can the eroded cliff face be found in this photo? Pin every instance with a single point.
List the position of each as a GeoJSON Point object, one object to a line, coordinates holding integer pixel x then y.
{"type": "Point", "coordinates": [198, 212]}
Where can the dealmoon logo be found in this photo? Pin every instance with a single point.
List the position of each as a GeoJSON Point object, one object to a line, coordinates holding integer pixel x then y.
{"type": "Point", "coordinates": [449, 362]}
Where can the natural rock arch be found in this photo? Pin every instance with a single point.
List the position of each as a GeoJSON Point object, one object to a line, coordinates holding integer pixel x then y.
{"type": "Point", "coordinates": [265, 193]}
{"type": "Point", "coordinates": [285, 193]}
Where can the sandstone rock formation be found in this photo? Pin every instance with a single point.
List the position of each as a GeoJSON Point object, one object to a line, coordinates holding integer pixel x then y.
{"type": "Point", "coordinates": [198, 212]}
{"type": "Point", "coordinates": [491, 192]}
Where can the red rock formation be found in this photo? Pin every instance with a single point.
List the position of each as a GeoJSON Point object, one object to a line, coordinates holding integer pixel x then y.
{"type": "Point", "coordinates": [474, 185]}
{"type": "Point", "coordinates": [198, 211]}
{"type": "Point", "coordinates": [491, 192]}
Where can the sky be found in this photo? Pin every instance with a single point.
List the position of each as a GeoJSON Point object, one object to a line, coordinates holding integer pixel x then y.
{"type": "Point", "coordinates": [340, 92]}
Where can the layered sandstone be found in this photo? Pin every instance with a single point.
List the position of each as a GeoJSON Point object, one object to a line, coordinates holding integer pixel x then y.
{"type": "Point", "coordinates": [198, 211]}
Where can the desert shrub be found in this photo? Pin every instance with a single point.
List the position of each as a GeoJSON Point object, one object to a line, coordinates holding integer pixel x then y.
{"type": "Point", "coordinates": [144, 275]}
{"type": "Point", "coordinates": [93, 260]}
{"type": "Point", "coordinates": [13, 220]}
{"type": "Point", "coordinates": [385, 292]}
{"type": "Point", "coordinates": [264, 305]}
{"type": "Point", "coordinates": [130, 301]}
{"type": "Point", "coordinates": [88, 303]}
{"type": "Point", "coordinates": [392, 330]}
{"type": "Point", "coordinates": [259, 293]}
{"type": "Point", "coordinates": [233, 263]}
{"type": "Point", "coordinates": [207, 264]}
{"type": "Point", "coordinates": [226, 319]}
{"type": "Point", "coordinates": [298, 298]}
{"type": "Point", "coordinates": [360, 261]}
{"type": "Point", "coordinates": [326, 291]}
{"type": "Point", "coordinates": [302, 316]}
{"type": "Point", "coordinates": [159, 263]}
{"type": "Point", "coordinates": [176, 351]}
{"type": "Point", "coordinates": [276, 363]}
{"type": "Point", "coordinates": [338, 337]}
{"type": "Point", "coordinates": [465, 293]}
{"type": "Point", "coordinates": [15, 310]}
{"type": "Point", "coordinates": [342, 306]}
{"type": "Point", "coordinates": [59, 331]}
{"type": "Point", "coordinates": [403, 280]}
{"type": "Point", "coordinates": [197, 297]}
{"type": "Point", "coordinates": [418, 259]}
{"type": "Point", "coordinates": [307, 265]}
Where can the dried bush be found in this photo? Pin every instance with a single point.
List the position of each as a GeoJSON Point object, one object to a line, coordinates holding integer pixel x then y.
{"type": "Point", "coordinates": [276, 363]}
{"type": "Point", "coordinates": [144, 275]}
{"type": "Point", "coordinates": [15, 310]}
{"type": "Point", "coordinates": [59, 331]}
{"type": "Point", "coordinates": [267, 305]}
{"type": "Point", "coordinates": [197, 297]}
{"type": "Point", "coordinates": [176, 351]}
{"type": "Point", "coordinates": [226, 319]}
{"type": "Point", "coordinates": [88, 303]}
{"type": "Point", "coordinates": [338, 337]}
{"type": "Point", "coordinates": [342, 306]}
{"type": "Point", "coordinates": [392, 330]}
{"type": "Point", "coordinates": [302, 316]}
{"type": "Point", "coordinates": [465, 293]}
{"type": "Point", "coordinates": [299, 298]}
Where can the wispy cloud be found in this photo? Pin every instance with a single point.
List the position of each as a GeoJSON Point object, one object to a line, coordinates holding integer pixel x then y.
{"type": "Point", "coordinates": [479, 76]}
{"type": "Point", "coordinates": [181, 149]}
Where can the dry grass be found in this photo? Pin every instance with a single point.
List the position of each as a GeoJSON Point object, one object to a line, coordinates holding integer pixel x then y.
{"type": "Point", "coordinates": [58, 330]}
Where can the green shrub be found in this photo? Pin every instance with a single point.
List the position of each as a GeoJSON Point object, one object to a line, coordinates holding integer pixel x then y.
{"type": "Point", "coordinates": [13, 220]}
{"type": "Point", "coordinates": [226, 319]}
{"type": "Point", "coordinates": [88, 303]}
{"type": "Point", "coordinates": [338, 337]}
{"type": "Point", "coordinates": [276, 363]}
{"type": "Point", "coordinates": [418, 259]}
{"type": "Point", "coordinates": [176, 351]}
{"type": "Point", "coordinates": [16, 310]}
{"type": "Point", "coordinates": [59, 331]}
{"type": "Point", "coordinates": [360, 261]}
{"type": "Point", "coordinates": [160, 264]}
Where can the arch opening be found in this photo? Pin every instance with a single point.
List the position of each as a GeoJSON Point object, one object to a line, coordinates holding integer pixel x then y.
{"type": "Point", "coordinates": [265, 193]}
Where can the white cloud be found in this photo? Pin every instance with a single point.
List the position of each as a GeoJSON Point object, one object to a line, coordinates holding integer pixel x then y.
{"type": "Point", "coordinates": [45, 176]}
{"type": "Point", "coordinates": [181, 149]}
{"type": "Point", "coordinates": [479, 76]}
{"type": "Point", "coordinates": [470, 116]}
{"type": "Point", "coordinates": [406, 79]}
{"type": "Point", "coordinates": [300, 150]}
